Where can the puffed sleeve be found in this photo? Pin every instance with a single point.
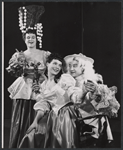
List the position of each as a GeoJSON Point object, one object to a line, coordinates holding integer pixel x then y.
{"type": "Point", "coordinates": [66, 81]}
{"type": "Point", "coordinates": [45, 55]}
{"type": "Point", "coordinates": [13, 58]}
{"type": "Point", "coordinates": [42, 105]}
{"type": "Point", "coordinates": [13, 61]}
{"type": "Point", "coordinates": [75, 94]}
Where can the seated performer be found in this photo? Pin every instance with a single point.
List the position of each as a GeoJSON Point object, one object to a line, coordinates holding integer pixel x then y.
{"type": "Point", "coordinates": [94, 109]}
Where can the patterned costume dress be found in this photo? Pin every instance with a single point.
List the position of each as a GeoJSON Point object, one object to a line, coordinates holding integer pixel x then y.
{"type": "Point", "coordinates": [23, 97]}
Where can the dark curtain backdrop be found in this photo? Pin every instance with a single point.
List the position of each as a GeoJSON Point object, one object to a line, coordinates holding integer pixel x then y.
{"type": "Point", "coordinates": [71, 27]}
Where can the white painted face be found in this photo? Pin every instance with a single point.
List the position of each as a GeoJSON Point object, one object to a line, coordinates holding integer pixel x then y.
{"type": "Point", "coordinates": [54, 67]}
{"type": "Point", "coordinates": [30, 40]}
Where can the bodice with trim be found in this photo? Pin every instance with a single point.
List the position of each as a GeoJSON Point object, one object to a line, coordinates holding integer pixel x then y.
{"type": "Point", "coordinates": [57, 96]}
{"type": "Point", "coordinates": [21, 88]}
{"type": "Point", "coordinates": [39, 56]}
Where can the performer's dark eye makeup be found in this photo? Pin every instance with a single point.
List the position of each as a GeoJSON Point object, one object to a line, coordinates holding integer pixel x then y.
{"type": "Point", "coordinates": [75, 65]}
{"type": "Point", "coordinates": [28, 37]}
{"type": "Point", "coordinates": [55, 63]}
{"type": "Point", "coordinates": [60, 65]}
{"type": "Point", "coordinates": [33, 37]}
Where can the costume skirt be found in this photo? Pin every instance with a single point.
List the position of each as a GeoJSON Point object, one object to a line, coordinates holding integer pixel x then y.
{"type": "Point", "coordinates": [35, 138]}
{"type": "Point", "coordinates": [54, 131]}
{"type": "Point", "coordinates": [22, 117]}
{"type": "Point", "coordinates": [62, 129]}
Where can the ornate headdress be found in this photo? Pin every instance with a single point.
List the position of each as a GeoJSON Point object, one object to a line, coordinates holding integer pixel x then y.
{"type": "Point", "coordinates": [29, 19]}
{"type": "Point", "coordinates": [87, 65]}
{"type": "Point", "coordinates": [68, 59]}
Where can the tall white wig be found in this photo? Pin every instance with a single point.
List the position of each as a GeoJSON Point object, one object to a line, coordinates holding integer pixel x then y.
{"type": "Point", "coordinates": [87, 66]}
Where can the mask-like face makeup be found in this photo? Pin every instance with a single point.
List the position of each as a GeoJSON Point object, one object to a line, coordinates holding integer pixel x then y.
{"type": "Point", "coordinates": [30, 40]}
{"type": "Point", "coordinates": [54, 67]}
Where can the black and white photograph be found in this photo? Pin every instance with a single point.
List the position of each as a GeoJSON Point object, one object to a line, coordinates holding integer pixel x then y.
{"type": "Point", "coordinates": [61, 74]}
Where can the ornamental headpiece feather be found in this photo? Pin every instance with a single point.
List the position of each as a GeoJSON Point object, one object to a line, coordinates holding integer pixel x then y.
{"type": "Point", "coordinates": [29, 19]}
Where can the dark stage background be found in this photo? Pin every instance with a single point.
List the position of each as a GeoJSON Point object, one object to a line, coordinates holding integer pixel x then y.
{"type": "Point", "coordinates": [71, 27]}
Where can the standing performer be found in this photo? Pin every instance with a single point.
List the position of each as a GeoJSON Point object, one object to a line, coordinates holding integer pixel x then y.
{"type": "Point", "coordinates": [29, 67]}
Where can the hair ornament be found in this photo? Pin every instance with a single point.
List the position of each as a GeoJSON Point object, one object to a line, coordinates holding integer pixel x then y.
{"type": "Point", "coordinates": [29, 17]}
